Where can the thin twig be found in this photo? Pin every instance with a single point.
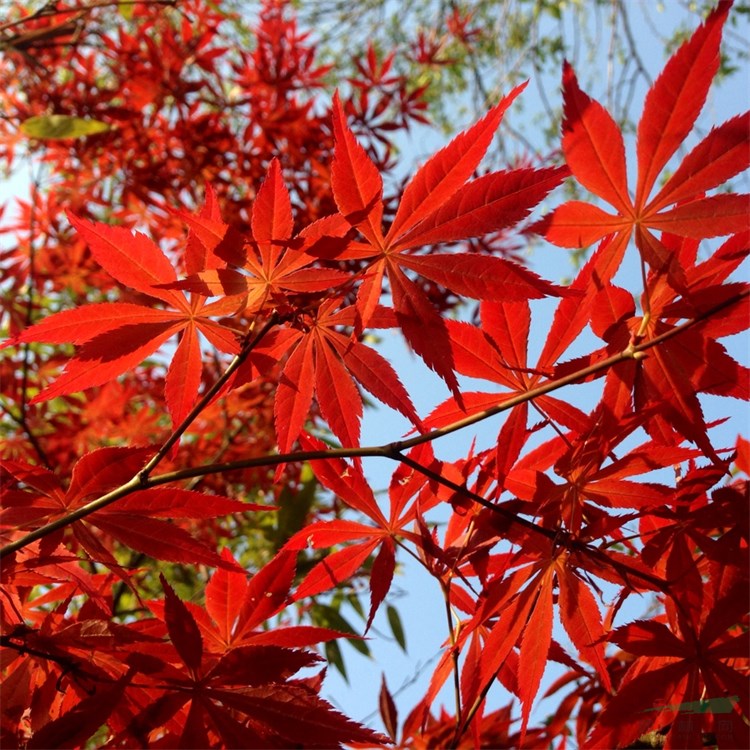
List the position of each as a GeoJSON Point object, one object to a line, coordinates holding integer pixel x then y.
{"type": "Point", "coordinates": [46, 11]}
{"type": "Point", "coordinates": [28, 316]}
{"type": "Point", "coordinates": [207, 397]}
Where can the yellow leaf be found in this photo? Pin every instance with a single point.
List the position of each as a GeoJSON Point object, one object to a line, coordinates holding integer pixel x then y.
{"type": "Point", "coordinates": [54, 127]}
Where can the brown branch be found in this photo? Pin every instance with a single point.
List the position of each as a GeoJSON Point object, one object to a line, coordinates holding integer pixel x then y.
{"type": "Point", "coordinates": [208, 396]}
{"type": "Point", "coordinates": [393, 451]}
{"type": "Point", "coordinates": [632, 352]}
{"type": "Point", "coordinates": [28, 316]}
{"type": "Point", "coordinates": [47, 12]}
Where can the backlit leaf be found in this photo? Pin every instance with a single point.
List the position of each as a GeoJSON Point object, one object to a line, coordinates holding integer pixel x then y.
{"type": "Point", "coordinates": [58, 127]}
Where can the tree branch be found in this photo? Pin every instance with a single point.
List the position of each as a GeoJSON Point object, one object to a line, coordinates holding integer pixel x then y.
{"type": "Point", "coordinates": [208, 396]}
{"type": "Point", "coordinates": [393, 451]}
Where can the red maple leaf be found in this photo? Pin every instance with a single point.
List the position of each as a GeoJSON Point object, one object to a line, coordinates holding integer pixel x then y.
{"type": "Point", "coordinates": [438, 206]}
{"type": "Point", "coordinates": [245, 695]}
{"type": "Point", "coordinates": [325, 361]}
{"type": "Point", "coordinates": [498, 353]}
{"type": "Point", "coordinates": [667, 381]}
{"type": "Point", "coordinates": [349, 484]}
{"type": "Point", "coordinates": [272, 263]}
{"type": "Point", "coordinates": [114, 337]}
{"type": "Point", "coordinates": [595, 152]}
{"type": "Point", "coordinates": [672, 666]}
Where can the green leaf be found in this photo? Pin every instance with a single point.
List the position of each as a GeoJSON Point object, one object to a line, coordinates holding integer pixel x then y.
{"type": "Point", "coordinates": [394, 620]}
{"type": "Point", "coordinates": [356, 604]}
{"type": "Point", "coordinates": [294, 508]}
{"type": "Point", "coordinates": [333, 655]}
{"type": "Point", "coordinates": [56, 127]}
{"type": "Point", "coordinates": [331, 618]}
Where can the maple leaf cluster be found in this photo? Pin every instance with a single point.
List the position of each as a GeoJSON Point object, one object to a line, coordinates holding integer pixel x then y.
{"type": "Point", "coordinates": [172, 424]}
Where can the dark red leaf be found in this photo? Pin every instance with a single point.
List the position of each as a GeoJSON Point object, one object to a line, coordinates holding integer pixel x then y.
{"type": "Point", "coordinates": [182, 628]}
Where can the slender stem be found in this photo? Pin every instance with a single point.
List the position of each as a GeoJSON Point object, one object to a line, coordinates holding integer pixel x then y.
{"type": "Point", "coordinates": [646, 298]}
{"type": "Point", "coordinates": [207, 397]}
{"type": "Point", "coordinates": [469, 717]}
{"type": "Point", "coordinates": [454, 652]}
